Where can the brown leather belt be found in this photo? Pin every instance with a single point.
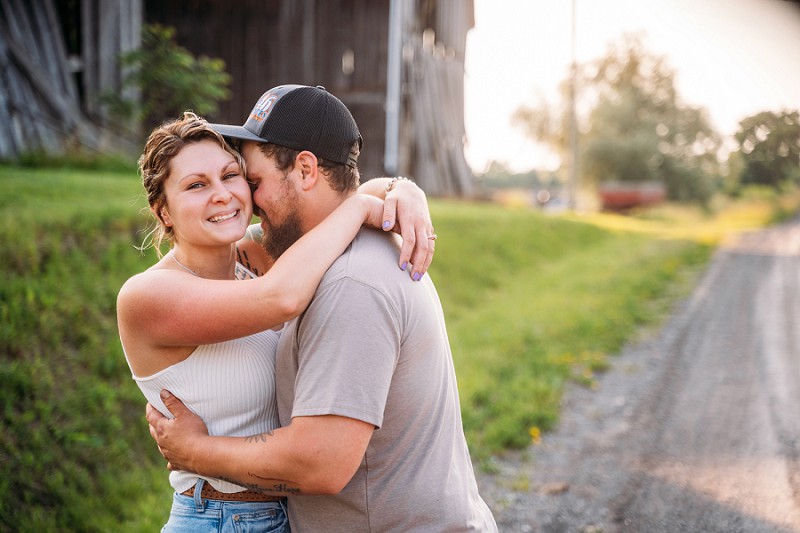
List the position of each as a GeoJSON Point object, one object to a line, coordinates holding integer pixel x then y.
{"type": "Point", "coordinates": [210, 493]}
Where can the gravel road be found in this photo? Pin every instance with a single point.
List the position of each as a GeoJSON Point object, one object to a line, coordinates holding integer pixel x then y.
{"type": "Point", "coordinates": [695, 428]}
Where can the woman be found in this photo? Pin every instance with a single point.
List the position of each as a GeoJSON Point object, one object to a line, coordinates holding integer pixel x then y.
{"type": "Point", "coordinates": [186, 328]}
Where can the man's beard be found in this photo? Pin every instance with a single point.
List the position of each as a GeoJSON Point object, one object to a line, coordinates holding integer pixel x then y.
{"type": "Point", "coordinates": [278, 238]}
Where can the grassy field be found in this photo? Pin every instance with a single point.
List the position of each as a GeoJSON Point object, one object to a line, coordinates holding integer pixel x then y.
{"type": "Point", "coordinates": [74, 452]}
{"type": "Point", "coordinates": [532, 301]}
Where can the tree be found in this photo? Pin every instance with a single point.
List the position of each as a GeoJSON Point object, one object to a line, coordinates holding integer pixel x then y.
{"type": "Point", "coordinates": [169, 80]}
{"type": "Point", "coordinates": [633, 127]}
{"type": "Point", "coordinates": [499, 176]}
{"type": "Point", "coordinates": [769, 145]}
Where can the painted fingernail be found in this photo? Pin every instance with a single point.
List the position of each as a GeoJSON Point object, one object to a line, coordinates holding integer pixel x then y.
{"type": "Point", "coordinates": [386, 224]}
{"type": "Point", "coordinates": [404, 265]}
{"type": "Point", "coordinates": [416, 276]}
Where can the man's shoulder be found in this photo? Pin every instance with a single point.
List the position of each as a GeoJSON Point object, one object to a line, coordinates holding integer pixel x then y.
{"type": "Point", "coordinates": [372, 260]}
{"type": "Point", "coordinates": [369, 253]}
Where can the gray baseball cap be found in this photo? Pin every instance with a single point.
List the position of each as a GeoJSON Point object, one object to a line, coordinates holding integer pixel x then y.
{"type": "Point", "coordinates": [301, 117]}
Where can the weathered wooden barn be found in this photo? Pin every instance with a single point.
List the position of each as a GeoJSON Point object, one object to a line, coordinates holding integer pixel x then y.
{"type": "Point", "coordinates": [397, 64]}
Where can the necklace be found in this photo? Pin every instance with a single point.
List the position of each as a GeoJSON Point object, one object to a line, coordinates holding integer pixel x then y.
{"type": "Point", "coordinates": [187, 269]}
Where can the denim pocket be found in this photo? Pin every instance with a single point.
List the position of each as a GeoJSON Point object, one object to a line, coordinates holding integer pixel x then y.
{"type": "Point", "coordinates": [184, 517]}
{"type": "Point", "coordinates": [272, 520]}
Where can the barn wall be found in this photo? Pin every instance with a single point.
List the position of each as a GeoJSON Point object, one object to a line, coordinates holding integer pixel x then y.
{"type": "Point", "coordinates": [38, 98]}
{"type": "Point", "coordinates": [57, 57]}
{"type": "Point", "coordinates": [310, 42]}
{"type": "Point", "coordinates": [434, 134]}
{"type": "Point", "coordinates": [51, 79]}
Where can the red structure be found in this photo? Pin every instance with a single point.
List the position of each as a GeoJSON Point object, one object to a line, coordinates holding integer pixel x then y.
{"type": "Point", "coordinates": [619, 196]}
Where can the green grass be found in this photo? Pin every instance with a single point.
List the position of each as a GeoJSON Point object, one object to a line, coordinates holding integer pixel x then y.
{"type": "Point", "coordinates": [542, 301]}
{"type": "Point", "coordinates": [75, 454]}
{"type": "Point", "coordinates": [531, 302]}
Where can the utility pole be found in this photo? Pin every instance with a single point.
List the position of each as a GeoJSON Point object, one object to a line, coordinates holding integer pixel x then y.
{"type": "Point", "coordinates": [391, 158]}
{"type": "Point", "coordinates": [573, 122]}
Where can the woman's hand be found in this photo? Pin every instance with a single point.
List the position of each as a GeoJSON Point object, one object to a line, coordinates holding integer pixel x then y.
{"type": "Point", "coordinates": [373, 210]}
{"type": "Point", "coordinates": [406, 212]}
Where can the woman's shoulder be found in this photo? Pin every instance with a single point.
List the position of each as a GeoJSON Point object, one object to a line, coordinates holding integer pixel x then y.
{"type": "Point", "coordinates": [149, 282]}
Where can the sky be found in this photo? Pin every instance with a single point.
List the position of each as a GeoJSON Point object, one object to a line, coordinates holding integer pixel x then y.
{"type": "Point", "coordinates": [733, 57]}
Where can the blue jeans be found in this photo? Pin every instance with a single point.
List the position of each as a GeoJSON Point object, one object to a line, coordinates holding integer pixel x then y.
{"type": "Point", "coordinates": [196, 515]}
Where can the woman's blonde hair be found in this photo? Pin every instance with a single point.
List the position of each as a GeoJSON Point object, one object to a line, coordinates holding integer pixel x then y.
{"type": "Point", "coordinates": [163, 144]}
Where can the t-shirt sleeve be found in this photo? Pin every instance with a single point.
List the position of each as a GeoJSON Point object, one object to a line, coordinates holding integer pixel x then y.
{"type": "Point", "coordinates": [349, 345]}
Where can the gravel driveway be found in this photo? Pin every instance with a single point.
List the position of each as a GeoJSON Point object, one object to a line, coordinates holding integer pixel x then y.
{"type": "Point", "coordinates": [696, 428]}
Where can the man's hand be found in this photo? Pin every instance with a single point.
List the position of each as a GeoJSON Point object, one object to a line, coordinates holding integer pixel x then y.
{"type": "Point", "coordinates": [178, 437]}
{"type": "Point", "coordinates": [406, 212]}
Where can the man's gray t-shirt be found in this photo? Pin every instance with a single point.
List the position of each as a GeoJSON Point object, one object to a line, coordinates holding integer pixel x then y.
{"type": "Point", "coordinates": [373, 346]}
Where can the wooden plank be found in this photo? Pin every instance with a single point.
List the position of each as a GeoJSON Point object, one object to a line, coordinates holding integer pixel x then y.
{"type": "Point", "coordinates": [108, 46]}
{"type": "Point", "coordinates": [307, 48]}
{"type": "Point", "coordinates": [17, 22]}
{"type": "Point", "coordinates": [63, 117]}
{"type": "Point", "coordinates": [89, 56]}
{"type": "Point", "coordinates": [28, 130]}
{"type": "Point", "coordinates": [68, 80]}
{"type": "Point", "coordinates": [46, 43]}
{"type": "Point", "coordinates": [9, 142]}
{"type": "Point", "coordinates": [130, 38]}
{"type": "Point", "coordinates": [29, 68]}
{"type": "Point", "coordinates": [39, 94]}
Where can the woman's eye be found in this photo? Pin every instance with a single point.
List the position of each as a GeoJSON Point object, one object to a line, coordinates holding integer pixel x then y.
{"type": "Point", "coordinates": [195, 185]}
{"type": "Point", "coordinates": [231, 175]}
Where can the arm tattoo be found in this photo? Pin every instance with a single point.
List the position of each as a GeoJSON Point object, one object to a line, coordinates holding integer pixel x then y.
{"type": "Point", "coordinates": [278, 486]}
{"type": "Point", "coordinates": [242, 257]}
{"type": "Point", "coordinates": [281, 487]}
{"type": "Point", "coordinates": [258, 438]}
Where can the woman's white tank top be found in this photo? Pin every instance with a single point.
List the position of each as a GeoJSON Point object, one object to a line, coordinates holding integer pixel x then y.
{"type": "Point", "coordinates": [230, 385]}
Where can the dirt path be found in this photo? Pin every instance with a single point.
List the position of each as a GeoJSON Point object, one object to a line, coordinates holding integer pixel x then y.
{"type": "Point", "coordinates": [694, 429]}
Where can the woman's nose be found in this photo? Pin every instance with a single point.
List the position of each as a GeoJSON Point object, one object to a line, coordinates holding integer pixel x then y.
{"type": "Point", "coordinates": [221, 193]}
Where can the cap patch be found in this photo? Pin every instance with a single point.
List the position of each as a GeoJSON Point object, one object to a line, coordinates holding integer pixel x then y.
{"type": "Point", "coordinates": [263, 107]}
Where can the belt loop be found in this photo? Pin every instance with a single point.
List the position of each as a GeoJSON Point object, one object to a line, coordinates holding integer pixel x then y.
{"type": "Point", "coordinates": [283, 506]}
{"type": "Point", "coordinates": [198, 498]}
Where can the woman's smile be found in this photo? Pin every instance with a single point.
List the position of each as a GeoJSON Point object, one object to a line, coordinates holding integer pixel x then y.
{"type": "Point", "coordinates": [224, 216]}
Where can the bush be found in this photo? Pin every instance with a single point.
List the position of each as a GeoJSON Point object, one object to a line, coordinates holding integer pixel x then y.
{"type": "Point", "coordinates": [166, 79]}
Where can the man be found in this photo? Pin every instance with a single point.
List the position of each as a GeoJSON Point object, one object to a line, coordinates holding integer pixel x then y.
{"type": "Point", "coordinates": [372, 437]}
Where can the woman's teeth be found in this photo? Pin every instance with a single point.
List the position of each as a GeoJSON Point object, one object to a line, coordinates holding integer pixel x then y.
{"type": "Point", "coordinates": [223, 218]}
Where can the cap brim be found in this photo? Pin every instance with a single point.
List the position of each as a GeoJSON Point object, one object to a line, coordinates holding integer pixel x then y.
{"type": "Point", "coordinates": [237, 132]}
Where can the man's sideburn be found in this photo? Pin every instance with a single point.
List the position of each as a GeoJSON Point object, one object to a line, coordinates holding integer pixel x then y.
{"type": "Point", "coordinates": [279, 236]}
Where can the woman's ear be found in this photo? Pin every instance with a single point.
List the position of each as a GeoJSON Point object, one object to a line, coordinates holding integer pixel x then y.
{"type": "Point", "coordinates": [162, 214]}
{"type": "Point", "coordinates": [308, 166]}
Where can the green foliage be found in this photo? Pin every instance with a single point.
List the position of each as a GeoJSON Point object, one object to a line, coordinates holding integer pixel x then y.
{"type": "Point", "coordinates": [169, 79]}
{"type": "Point", "coordinates": [633, 126]}
{"type": "Point", "coordinates": [534, 301]}
{"type": "Point", "coordinates": [769, 145]}
{"type": "Point", "coordinates": [77, 160]}
{"type": "Point", "coordinates": [639, 131]}
{"type": "Point", "coordinates": [498, 176]}
{"type": "Point", "coordinates": [74, 450]}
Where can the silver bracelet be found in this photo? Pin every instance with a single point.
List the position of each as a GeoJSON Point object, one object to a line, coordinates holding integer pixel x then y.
{"type": "Point", "coordinates": [394, 182]}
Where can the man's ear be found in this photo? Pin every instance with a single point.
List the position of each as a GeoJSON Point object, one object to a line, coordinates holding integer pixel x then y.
{"type": "Point", "coordinates": [307, 164]}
